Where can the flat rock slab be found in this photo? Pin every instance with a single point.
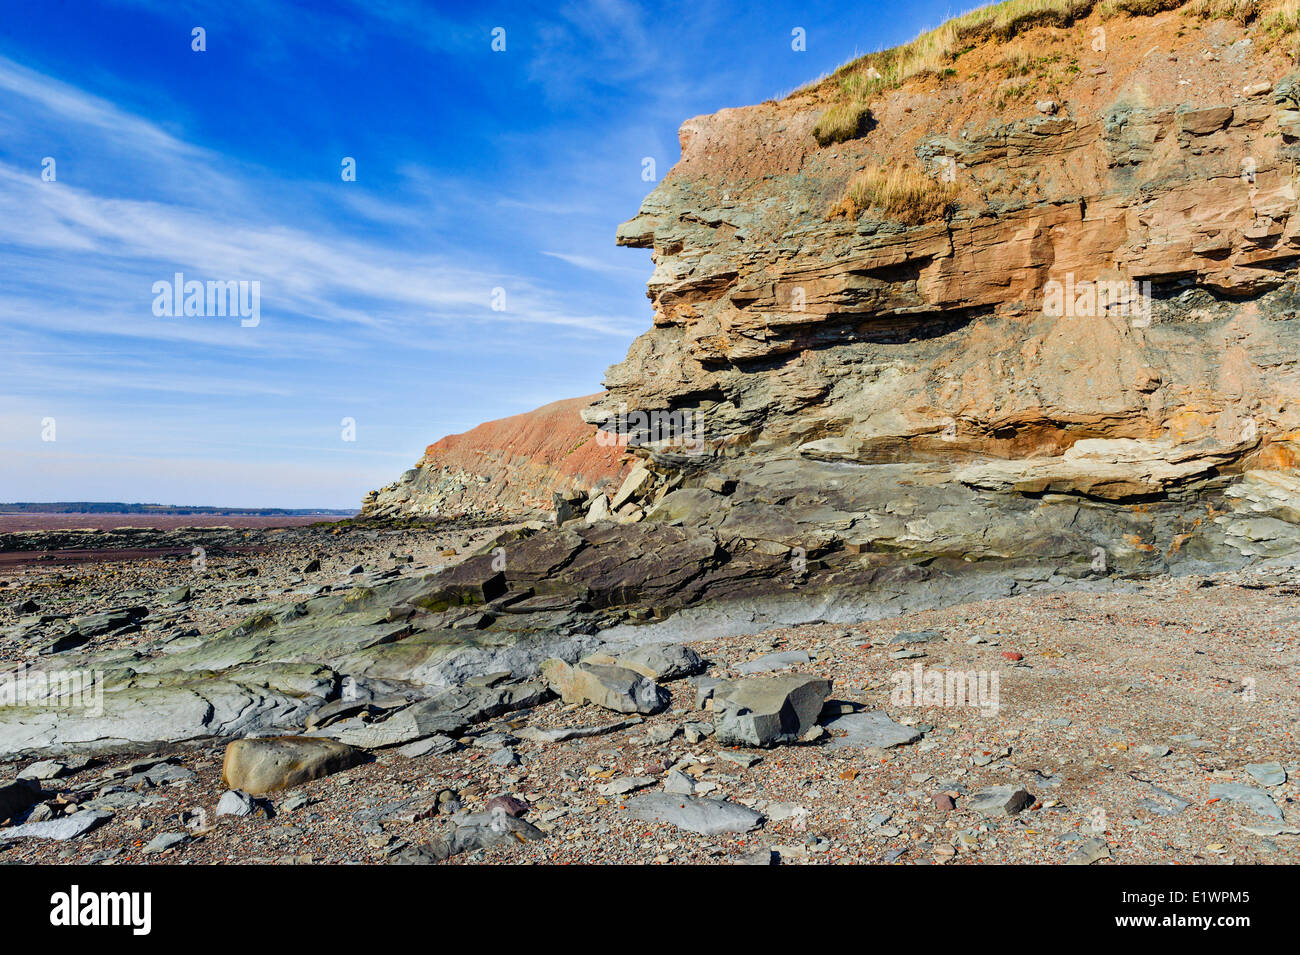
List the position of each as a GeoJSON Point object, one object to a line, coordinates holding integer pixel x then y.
{"type": "Point", "coordinates": [874, 730]}
{"type": "Point", "coordinates": [774, 661]}
{"type": "Point", "coordinates": [1256, 800]}
{"type": "Point", "coordinates": [1266, 774]}
{"type": "Point", "coordinates": [626, 784]}
{"type": "Point", "coordinates": [65, 827]}
{"type": "Point", "coordinates": [431, 746]}
{"type": "Point", "coordinates": [560, 734]}
{"type": "Point", "coordinates": [708, 817]}
{"type": "Point", "coordinates": [1000, 800]}
{"type": "Point", "coordinates": [261, 766]}
{"type": "Point", "coordinates": [446, 714]}
{"type": "Point", "coordinates": [915, 636]}
{"type": "Point", "coordinates": [1089, 851]}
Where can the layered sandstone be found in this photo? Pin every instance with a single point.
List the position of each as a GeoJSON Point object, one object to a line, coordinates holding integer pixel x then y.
{"type": "Point", "coordinates": [509, 467]}
{"type": "Point", "coordinates": [1167, 160]}
{"type": "Point", "coordinates": [1087, 364]}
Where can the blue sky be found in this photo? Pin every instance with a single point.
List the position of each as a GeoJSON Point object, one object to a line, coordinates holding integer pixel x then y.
{"type": "Point", "coordinates": [475, 170]}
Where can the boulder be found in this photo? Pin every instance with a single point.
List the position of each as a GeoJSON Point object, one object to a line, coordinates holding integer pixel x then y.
{"type": "Point", "coordinates": [260, 766]}
{"type": "Point", "coordinates": [613, 687]}
{"type": "Point", "coordinates": [764, 711]}
{"type": "Point", "coordinates": [634, 485]}
{"type": "Point", "coordinates": [654, 661]}
{"type": "Point", "coordinates": [599, 510]}
{"type": "Point", "coordinates": [17, 797]}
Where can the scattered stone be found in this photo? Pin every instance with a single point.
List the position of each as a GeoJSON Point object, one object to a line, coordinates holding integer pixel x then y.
{"type": "Point", "coordinates": [563, 733]}
{"type": "Point", "coordinates": [480, 830]}
{"type": "Point", "coordinates": [743, 760]}
{"type": "Point", "coordinates": [165, 841]}
{"type": "Point", "coordinates": [915, 636]}
{"type": "Point", "coordinates": [774, 661]}
{"type": "Point", "coordinates": [235, 803]}
{"type": "Point", "coordinates": [1266, 774]}
{"type": "Point", "coordinates": [1000, 800]}
{"type": "Point", "coordinates": [65, 827]}
{"type": "Point", "coordinates": [510, 805]}
{"type": "Point", "coordinates": [676, 781]}
{"type": "Point", "coordinates": [626, 784]}
{"type": "Point", "coordinates": [696, 731]}
{"type": "Point", "coordinates": [436, 745]}
{"type": "Point", "coordinates": [177, 595]}
{"type": "Point", "coordinates": [765, 855]}
{"type": "Point", "coordinates": [1089, 851]}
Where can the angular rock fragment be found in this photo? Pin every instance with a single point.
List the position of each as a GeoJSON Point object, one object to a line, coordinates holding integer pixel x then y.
{"type": "Point", "coordinates": [764, 711]}
{"type": "Point", "coordinates": [1256, 800]}
{"type": "Point", "coordinates": [775, 661]}
{"type": "Point", "coordinates": [1000, 800]}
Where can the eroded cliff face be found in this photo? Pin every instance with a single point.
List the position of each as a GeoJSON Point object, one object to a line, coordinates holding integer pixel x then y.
{"type": "Point", "coordinates": [1084, 370]}
{"type": "Point", "coordinates": [512, 467]}
{"type": "Point", "coordinates": [1168, 160]}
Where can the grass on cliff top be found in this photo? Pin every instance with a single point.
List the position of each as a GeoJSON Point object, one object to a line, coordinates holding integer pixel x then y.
{"type": "Point", "coordinates": [900, 193]}
{"type": "Point", "coordinates": [932, 53]}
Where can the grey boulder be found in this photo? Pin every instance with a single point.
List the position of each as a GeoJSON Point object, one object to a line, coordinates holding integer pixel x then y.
{"type": "Point", "coordinates": [764, 711]}
{"type": "Point", "coordinates": [612, 687]}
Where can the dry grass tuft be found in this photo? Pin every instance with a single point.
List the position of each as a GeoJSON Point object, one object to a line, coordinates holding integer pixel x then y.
{"type": "Point", "coordinates": [1139, 8]}
{"type": "Point", "coordinates": [1243, 11]}
{"type": "Point", "coordinates": [900, 193]}
{"type": "Point", "coordinates": [841, 122]}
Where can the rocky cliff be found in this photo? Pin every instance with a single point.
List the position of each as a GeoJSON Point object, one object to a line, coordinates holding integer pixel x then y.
{"type": "Point", "coordinates": [1030, 308]}
{"type": "Point", "coordinates": [510, 467]}
{"type": "Point", "coordinates": [1103, 309]}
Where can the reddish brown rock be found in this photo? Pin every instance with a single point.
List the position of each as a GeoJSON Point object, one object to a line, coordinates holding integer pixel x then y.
{"type": "Point", "coordinates": [506, 468]}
